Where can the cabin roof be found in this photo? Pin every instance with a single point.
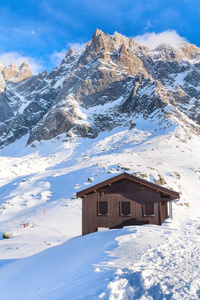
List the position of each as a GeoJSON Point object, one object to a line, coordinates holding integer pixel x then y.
{"type": "Point", "coordinates": [173, 195]}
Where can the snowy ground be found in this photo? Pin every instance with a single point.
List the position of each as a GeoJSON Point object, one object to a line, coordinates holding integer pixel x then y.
{"type": "Point", "coordinates": [39, 208]}
{"type": "Point", "coordinates": [147, 262]}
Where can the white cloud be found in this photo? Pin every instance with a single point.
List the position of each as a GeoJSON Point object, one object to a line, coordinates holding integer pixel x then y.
{"type": "Point", "coordinates": [152, 39]}
{"type": "Point", "coordinates": [148, 25]}
{"type": "Point", "coordinates": [77, 46]}
{"type": "Point", "coordinates": [56, 57]}
{"type": "Point", "coordinates": [17, 59]}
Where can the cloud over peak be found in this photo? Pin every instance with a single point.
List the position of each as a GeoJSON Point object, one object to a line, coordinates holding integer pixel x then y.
{"type": "Point", "coordinates": [152, 39]}
{"type": "Point", "coordinates": [17, 59]}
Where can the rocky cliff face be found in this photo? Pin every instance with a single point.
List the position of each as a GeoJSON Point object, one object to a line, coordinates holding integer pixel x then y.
{"type": "Point", "coordinates": [107, 84]}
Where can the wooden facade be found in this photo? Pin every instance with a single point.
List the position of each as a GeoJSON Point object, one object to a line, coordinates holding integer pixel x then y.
{"type": "Point", "coordinates": [124, 200]}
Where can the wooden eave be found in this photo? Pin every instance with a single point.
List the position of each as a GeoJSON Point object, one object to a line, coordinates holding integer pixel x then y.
{"type": "Point", "coordinates": [173, 195]}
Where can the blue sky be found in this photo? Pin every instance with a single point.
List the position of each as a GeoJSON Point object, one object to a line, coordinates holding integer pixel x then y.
{"type": "Point", "coordinates": [42, 31]}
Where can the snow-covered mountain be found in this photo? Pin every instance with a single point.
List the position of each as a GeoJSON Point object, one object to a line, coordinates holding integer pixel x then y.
{"type": "Point", "coordinates": [98, 88]}
{"type": "Point", "coordinates": [111, 107]}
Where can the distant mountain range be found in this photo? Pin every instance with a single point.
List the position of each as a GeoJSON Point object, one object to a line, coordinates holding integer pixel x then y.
{"type": "Point", "coordinates": [107, 84]}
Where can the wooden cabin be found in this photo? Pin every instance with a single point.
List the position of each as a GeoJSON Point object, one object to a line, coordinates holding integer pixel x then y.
{"type": "Point", "coordinates": [124, 200]}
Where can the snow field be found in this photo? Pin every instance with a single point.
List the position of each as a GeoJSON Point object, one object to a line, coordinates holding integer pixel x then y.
{"type": "Point", "coordinates": [44, 177]}
{"type": "Point", "coordinates": [38, 205]}
{"type": "Point", "coordinates": [138, 262]}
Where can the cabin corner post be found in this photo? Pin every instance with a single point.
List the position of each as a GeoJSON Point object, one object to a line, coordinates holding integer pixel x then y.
{"type": "Point", "coordinates": [82, 217]}
{"type": "Point", "coordinates": [159, 213]}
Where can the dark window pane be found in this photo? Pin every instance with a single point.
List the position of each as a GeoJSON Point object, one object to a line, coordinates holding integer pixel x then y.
{"type": "Point", "coordinates": [103, 208]}
{"type": "Point", "coordinates": [126, 208]}
{"type": "Point", "coordinates": [149, 208]}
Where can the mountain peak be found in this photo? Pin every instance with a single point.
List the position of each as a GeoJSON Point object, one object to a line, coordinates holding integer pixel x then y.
{"type": "Point", "coordinates": [10, 72]}
{"type": "Point", "coordinates": [97, 42]}
{"type": "Point", "coordinates": [97, 33]}
{"type": "Point", "coordinates": [70, 51]}
{"type": "Point", "coordinates": [13, 73]}
{"type": "Point", "coordinates": [12, 67]}
{"type": "Point", "coordinates": [179, 52]}
{"type": "Point", "coordinates": [24, 64]}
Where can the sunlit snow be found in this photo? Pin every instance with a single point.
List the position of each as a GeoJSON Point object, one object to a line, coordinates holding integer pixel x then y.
{"type": "Point", "coordinates": [39, 207]}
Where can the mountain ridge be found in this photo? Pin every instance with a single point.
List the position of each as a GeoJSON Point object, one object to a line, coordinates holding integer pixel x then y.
{"type": "Point", "coordinates": [110, 67]}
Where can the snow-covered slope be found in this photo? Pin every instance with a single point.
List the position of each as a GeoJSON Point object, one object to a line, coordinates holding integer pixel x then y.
{"type": "Point", "coordinates": [144, 262]}
{"type": "Point", "coordinates": [39, 207]}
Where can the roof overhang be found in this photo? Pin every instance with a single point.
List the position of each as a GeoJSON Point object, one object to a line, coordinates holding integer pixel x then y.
{"type": "Point", "coordinates": [172, 194]}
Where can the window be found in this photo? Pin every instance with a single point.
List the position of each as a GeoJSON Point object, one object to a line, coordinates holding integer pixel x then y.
{"type": "Point", "coordinates": [149, 209]}
{"type": "Point", "coordinates": [125, 208]}
{"type": "Point", "coordinates": [103, 208]}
